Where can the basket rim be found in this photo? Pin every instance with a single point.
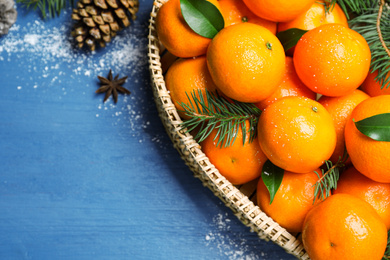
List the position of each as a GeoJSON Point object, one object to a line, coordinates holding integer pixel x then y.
{"type": "Point", "coordinates": [247, 212]}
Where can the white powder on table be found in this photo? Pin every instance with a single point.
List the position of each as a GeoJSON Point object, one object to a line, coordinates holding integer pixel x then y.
{"type": "Point", "coordinates": [52, 48]}
{"type": "Point", "coordinates": [234, 247]}
{"type": "Point", "coordinates": [52, 44]}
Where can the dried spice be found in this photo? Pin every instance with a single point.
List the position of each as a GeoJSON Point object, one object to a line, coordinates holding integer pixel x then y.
{"type": "Point", "coordinates": [111, 86]}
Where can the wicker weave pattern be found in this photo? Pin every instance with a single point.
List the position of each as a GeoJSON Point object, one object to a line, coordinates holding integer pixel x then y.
{"type": "Point", "coordinates": [190, 151]}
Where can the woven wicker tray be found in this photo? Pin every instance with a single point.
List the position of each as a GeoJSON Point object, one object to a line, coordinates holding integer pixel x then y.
{"type": "Point", "coordinates": [240, 199]}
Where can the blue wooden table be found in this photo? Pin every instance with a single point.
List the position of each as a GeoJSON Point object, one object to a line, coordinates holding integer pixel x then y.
{"type": "Point", "coordinates": [83, 179]}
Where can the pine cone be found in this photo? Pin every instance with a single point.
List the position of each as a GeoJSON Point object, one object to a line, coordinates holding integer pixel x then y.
{"type": "Point", "coordinates": [8, 15]}
{"type": "Point", "coordinates": [100, 20]}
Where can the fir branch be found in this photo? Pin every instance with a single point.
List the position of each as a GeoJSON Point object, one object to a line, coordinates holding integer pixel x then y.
{"type": "Point", "coordinates": [328, 179]}
{"type": "Point", "coordinates": [48, 8]}
{"type": "Point", "coordinates": [215, 112]}
{"type": "Point", "coordinates": [356, 6]}
{"type": "Point", "coordinates": [374, 26]}
{"type": "Point", "coordinates": [378, 27]}
{"type": "Point", "coordinates": [328, 5]}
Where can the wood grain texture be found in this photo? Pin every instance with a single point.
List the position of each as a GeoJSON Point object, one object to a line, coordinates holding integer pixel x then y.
{"type": "Point", "coordinates": [80, 179]}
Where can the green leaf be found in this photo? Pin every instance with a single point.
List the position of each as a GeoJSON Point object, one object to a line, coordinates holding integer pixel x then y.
{"type": "Point", "coordinates": [289, 38]}
{"type": "Point", "coordinates": [376, 127]}
{"type": "Point", "coordinates": [202, 16]}
{"type": "Point", "coordinates": [272, 177]}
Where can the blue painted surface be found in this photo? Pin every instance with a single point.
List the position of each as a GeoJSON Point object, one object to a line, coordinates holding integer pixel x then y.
{"type": "Point", "coordinates": [83, 179]}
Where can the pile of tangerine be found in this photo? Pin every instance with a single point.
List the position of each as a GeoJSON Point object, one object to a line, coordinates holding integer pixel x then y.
{"type": "Point", "coordinates": [310, 97]}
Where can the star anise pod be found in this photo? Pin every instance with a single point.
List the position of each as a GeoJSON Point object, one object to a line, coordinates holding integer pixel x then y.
{"type": "Point", "coordinates": [112, 86]}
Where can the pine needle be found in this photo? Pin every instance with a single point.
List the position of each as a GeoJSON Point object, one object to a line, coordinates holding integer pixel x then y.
{"type": "Point", "coordinates": [327, 180]}
{"type": "Point", "coordinates": [377, 34]}
{"type": "Point", "coordinates": [214, 112]}
{"type": "Point", "coordinates": [48, 8]}
{"type": "Point", "coordinates": [328, 5]}
{"type": "Point", "coordinates": [355, 6]}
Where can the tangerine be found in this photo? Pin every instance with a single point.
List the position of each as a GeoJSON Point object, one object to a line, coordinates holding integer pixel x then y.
{"type": "Point", "coordinates": [290, 86]}
{"type": "Point", "coordinates": [373, 87]}
{"type": "Point", "coordinates": [175, 34]}
{"type": "Point", "coordinates": [344, 227]}
{"type": "Point", "coordinates": [246, 62]}
{"type": "Point", "coordinates": [332, 59]}
{"type": "Point", "coordinates": [368, 155]}
{"type": "Point", "coordinates": [375, 193]}
{"type": "Point", "coordinates": [292, 201]}
{"type": "Point", "coordinates": [340, 108]}
{"type": "Point", "coordinates": [240, 162]}
{"type": "Point", "coordinates": [235, 11]}
{"type": "Point", "coordinates": [184, 77]}
{"type": "Point", "coordinates": [315, 16]}
{"type": "Point", "coordinates": [296, 134]}
{"type": "Point", "coordinates": [278, 10]}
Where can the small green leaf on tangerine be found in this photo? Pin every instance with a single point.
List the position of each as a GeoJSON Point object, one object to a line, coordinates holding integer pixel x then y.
{"type": "Point", "coordinates": [272, 177]}
{"type": "Point", "coordinates": [376, 127]}
{"type": "Point", "coordinates": [203, 17]}
{"type": "Point", "coordinates": [289, 38]}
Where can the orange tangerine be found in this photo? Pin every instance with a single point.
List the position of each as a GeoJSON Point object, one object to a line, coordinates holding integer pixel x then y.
{"type": "Point", "coordinates": [373, 87]}
{"type": "Point", "coordinates": [184, 77]}
{"type": "Point", "coordinates": [332, 59]}
{"type": "Point", "coordinates": [344, 227]}
{"type": "Point", "coordinates": [235, 11]}
{"type": "Point", "coordinates": [175, 34]}
{"type": "Point", "coordinates": [292, 201]}
{"type": "Point", "coordinates": [290, 86]}
{"type": "Point", "coordinates": [368, 155]}
{"type": "Point", "coordinates": [297, 134]}
{"type": "Point", "coordinates": [246, 62]}
{"type": "Point", "coordinates": [377, 194]}
{"type": "Point", "coordinates": [340, 108]}
{"type": "Point", "coordinates": [278, 10]}
{"type": "Point", "coordinates": [313, 18]}
{"type": "Point", "coordinates": [238, 163]}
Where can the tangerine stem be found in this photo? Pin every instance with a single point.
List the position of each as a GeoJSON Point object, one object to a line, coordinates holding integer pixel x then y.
{"type": "Point", "coordinates": [378, 26]}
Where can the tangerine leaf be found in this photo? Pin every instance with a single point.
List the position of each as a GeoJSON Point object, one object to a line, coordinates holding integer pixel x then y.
{"type": "Point", "coordinates": [203, 17]}
{"type": "Point", "coordinates": [376, 127]}
{"type": "Point", "coordinates": [272, 177]}
{"type": "Point", "coordinates": [289, 38]}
